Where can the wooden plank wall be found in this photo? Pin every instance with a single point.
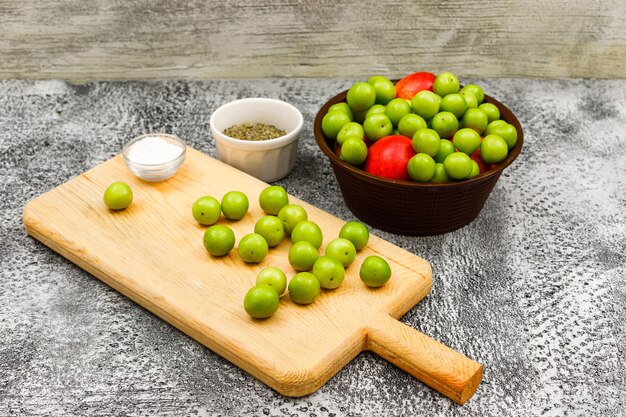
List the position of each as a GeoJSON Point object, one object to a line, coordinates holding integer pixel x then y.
{"type": "Point", "coordinates": [82, 40]}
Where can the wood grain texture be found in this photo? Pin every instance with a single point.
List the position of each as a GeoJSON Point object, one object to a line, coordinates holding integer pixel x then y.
{"type": "Point", "coordinates": [152, 252]}
{"type": "Point", "coordinates": [80, 40]}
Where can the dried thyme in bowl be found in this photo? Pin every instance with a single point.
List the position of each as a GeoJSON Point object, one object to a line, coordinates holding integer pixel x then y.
{"type": "Point", "coordinates": [254, 131]}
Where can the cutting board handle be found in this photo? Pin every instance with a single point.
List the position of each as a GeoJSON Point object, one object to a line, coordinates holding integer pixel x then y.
{"type": "Point", "coordinates": [446, 370]}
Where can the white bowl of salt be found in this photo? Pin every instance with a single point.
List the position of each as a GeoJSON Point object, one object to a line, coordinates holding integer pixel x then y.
{"type": "Point", "coordinates": [154, 156]}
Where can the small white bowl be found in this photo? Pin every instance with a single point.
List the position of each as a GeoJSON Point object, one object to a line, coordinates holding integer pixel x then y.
{"type": "Point", "coordinates": [157, 171]}
{"type": "Point", "coordinates": [268, 160]}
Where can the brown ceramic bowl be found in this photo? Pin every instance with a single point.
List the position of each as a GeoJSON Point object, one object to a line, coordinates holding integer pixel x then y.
{"type": "Point", "coordinates": [410, 208]}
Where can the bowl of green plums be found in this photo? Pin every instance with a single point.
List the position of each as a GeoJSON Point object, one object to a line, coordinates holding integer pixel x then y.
{"type": "Point", "coordinates": [418, 156]}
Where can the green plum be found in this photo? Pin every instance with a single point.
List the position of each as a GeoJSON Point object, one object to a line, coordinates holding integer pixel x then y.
{"type": "Point", "coordinates": [375, 271]}
{"type": "Point", "coordinates": [377, 126]}
{"type": "Point", "coordinates": [273, 198]}
{"type": "Point", "coordinates": [261, 301]}
{"type": "Point", "coordinates": [440, 176]}
{"type": "Point", "coordinates": [329, 272]}
{"type": "Point", "coordinates": [303, 288]}
{"type": "Point", "coordinates": [344, 107]}
{"type": "Point", "coordinates": [206, 210]}
{"type": "Point", "coordinates": [271, 228]}
{"type": "Point", "coordinates": [396, 109]}
{"type": "Point", "coordinates": [426, 141]}
{"type": "Point", "coordinates": [333, 121]}
{"type": "Point", "coordinates": [273, 277]}
{"type": "Point", "coordinates": [493, 124]}
{"type": "Point", "coordinates": [475, 170]}
{"type": "Point", "coordinates": [302, 255]}
{"type": "Point", "coordinates": [476, 90]}
{"type": "Point", "coordinates": [361, 96]}
{"type": "Point", "coordinates": [118, 196]}
{"type": "Point", "coordinates": [352, 129]}
{"type": "Point", "coordinates": [475, 119]}
{"type": "Point", "coordinates": [410, 124]}
{"type": "Point", "coordinates": [454, 103]}
{"type": "Point", "coordinates": [493, 149]}
{"type": "Point", "coordinates": [445, 148]}
{"type": "Point", "coordinates": [355, 232]}
{"type": "Point", "coordinates": [425, 104]}
{"type": "Point", "coordinates": [218, 240]}
{"type": "Point", "coordinates": [493, 113]}
{"type": "Point", "coordinates": [252, 248]}
{"type": "Point", "coordinates": [421, 167]}
{"type": "Point", "coordinates": [458, 165]}
{"type": "Point", "coordinates": [466, 140]}
{"type": "Point", "coordinates": [308, 231]}
{"type": "Point", "coordinates": [341, 249]}
{"type": "Point", "coordinates": [375, 109]}
{"type": "Point", "coordinates": [291, 215]}
{"type": "Point", "coordinates": [385, 89]}
{"type": "Point", "coordinates": [354, 151]}
{"type": "Point", "coordinates": [445, 124]}
{"type": "Point", "coordinates": [234, 205]}
{"type": "Point", "coordinates": [470, 99]}
{"type": "Point", "coordinates": [505, 130]}
{"type": "Point", "coordinates": [446, 83]}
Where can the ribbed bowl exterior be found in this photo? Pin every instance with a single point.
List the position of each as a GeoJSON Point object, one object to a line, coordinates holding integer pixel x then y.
{"type": "Point", "coordinates": [409, 208]}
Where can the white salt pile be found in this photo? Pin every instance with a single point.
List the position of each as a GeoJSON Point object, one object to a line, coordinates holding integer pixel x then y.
{"type": "Point", "coordinates": [153, 150]}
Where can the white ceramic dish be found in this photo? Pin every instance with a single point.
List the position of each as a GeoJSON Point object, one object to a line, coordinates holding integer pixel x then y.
{"type": "Point", "coordinates": [155, 171]}
{"type": "Point", "coordinates": [267, 160]}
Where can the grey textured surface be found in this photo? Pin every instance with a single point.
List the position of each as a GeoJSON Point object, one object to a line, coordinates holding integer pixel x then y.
{"type": "Point", "coordinates": [82, 40]}
{"type": "Point", "coordinates": [534, 288]}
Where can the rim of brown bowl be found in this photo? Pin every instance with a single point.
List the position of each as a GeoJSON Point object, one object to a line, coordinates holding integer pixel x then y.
{"type": "Point", "coordinates": [505, 114]}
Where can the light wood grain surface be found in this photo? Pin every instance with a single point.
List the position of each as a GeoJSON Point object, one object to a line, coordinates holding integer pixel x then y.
{"type": "Point", "coordinates": [81, 40]}
{"type": "Point", "coordinates": [152, 252]}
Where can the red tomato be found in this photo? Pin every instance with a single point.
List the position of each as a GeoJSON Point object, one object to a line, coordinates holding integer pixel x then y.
{"type": "Point", "coordinates": [389, 156]}
{"type": "Point", "coordinates": [414, 83]}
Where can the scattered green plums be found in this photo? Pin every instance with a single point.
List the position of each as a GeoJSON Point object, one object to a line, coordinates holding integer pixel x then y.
{"type": "Point", "coordinates": [261, 301]}
{"type": "Point", "coordinates": [291, 215]}
{"type": "Point", "coordinates": [271, 228]}
{"type": "Point", "coordinates": [302, 255]}
{"type": "Point", "coordinates": [303, 288]}
{"type": "Point", "coordinates": [308, 231]}
{"type": "Point", "coordinates": [206, 210]}
{"type": "Point", "coordinates": [218, 240]}
{"type": "Point", "coordinates": [355, 232]}
{"type": "Point", "coordinates": [274, 277]}
{"type": "Point", "coordinates": [343, 250]}
{"type": "Point", "coordinates": [375, 271]}
{"type": "Point", "coordinates": [234, 205]}
{"type": "Point", "coordinates": [118, 196]}
{"type": "Point", "coordinates": [273, 198]}
{"type": "Point", "coordinates": [252, 248]}
{"type": "Point", "coordinates": [329, 272]}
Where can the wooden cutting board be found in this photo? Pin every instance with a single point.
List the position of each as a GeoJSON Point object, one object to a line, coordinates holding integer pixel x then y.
{"type": "Point", "coordinates": [152, 252]}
